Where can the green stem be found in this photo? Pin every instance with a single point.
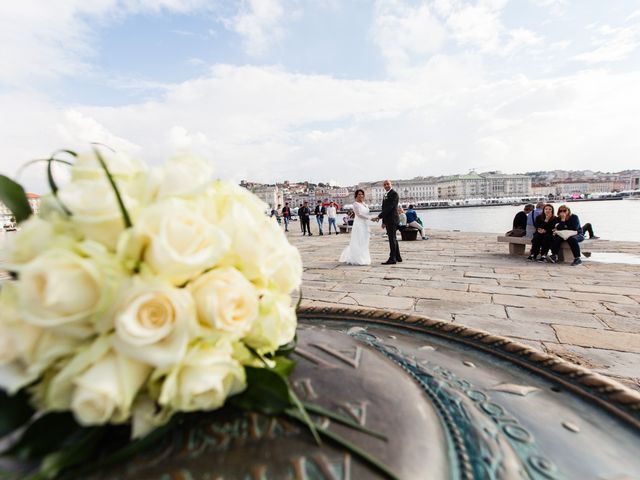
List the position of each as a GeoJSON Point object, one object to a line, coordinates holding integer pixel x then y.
{"type": "Point", "coordinates": [305, 416]}
{"type": "Point", "coordinates": [123, 209]}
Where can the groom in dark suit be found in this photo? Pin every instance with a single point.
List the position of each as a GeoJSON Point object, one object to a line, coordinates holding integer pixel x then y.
{"type": "Point", "coordinates": [389, 216]}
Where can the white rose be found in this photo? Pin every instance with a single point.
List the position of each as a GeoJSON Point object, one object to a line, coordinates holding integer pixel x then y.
{"type": "Point", "coordinates": [154, 323]}
{"type": "Point", "coordinates": [224, 195]}
{"type": "Point", "coordinates": [26, 351]}
{"type": "Point", "coordinates": [34, 236]}
{"type": "Point", "coordinates": [181, 243]}
{"type": "Point", "coordinates": [145, 416]}
{"type": "Point", "coordinates": [59, 390]}
{"type": "Point", "coordinates": [284, 269]}
{"type": "Point", "coordinates": [253, 241]}
{"type": "Point", "coordinates": [182, 176]}
{"type": "Point", "coordinates": [204, 379]}
{"type": "Point", "coordinates": [120, 165]}
{"type": "Point", "coordinates": [106, 390]}
{"type": "Point", "coordinates": [59, 287]}
{"type": "Point", "coordinates": [225, 300]}
{"type": "Point", "coordinates": [95, 210]}
{"type": "Point", "coordinates": [276, 323]}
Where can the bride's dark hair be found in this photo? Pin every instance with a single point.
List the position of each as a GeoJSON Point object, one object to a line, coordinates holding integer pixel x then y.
{"type": "Point", "coordinates": [355, 194]}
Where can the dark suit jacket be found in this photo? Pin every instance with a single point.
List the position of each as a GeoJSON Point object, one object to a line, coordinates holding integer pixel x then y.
{"type": "Point", "coordinates": [389, 213]}
{"type": "Point", "coordinates": [320, 210]}
{"type": "Point", "coordinates": [304, 212]}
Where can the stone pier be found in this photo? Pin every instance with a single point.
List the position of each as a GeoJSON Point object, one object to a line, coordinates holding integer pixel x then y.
{"type": "Point", "coordinates": [588, 314]}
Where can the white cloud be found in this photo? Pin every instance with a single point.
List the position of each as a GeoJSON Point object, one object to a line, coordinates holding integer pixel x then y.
{"type": "Point", "coordinates": [268, 124]}
{"type": "Point", "coordinates": [403, 31]}
{"type": "Point", "coordinates": [612, 44]}
{"type": "Point", "coordinates": [44, 40]}
{"type": "Point", "coordinates": [77, 130]}
{"type": "Point", "coordinates": [259, 23]}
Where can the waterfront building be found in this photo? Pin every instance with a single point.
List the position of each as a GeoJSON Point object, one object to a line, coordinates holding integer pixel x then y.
{"type": "Point", "coordinates": [569, 188]}
{"type": "Point", "coordinates": [483, 185]}
{"type": "Point", "coordinates": [272, 195]}
{"type": "Point", "coordinates": [633, 182]}
{"type": "Point", "coordinates": [416, 190]}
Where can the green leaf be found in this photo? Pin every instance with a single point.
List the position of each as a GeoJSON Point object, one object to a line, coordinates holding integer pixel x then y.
{"type": "Point", "coordinates": [52, 184]}
{"type": "Point", "coordinates": [284, 366]}
{"type": "Point", "coordinates": [267, 392]}
{"type": "Point", "coordinates": [129, 450]}
{"type": "Point", "coordinates": [15, 411]}
{"type": "Point", "coordinates": [351, 447]}
{"type": "Point", "coordinates": [123, 209]}
{"type": "Point", "coordinates": [319, 410]}
{"type": "Point", "coordinates": [80, 448]}
{"type": "Point", "coordinates": [13, 196]}
{"type": "Point", "coordinates": [36, 442]}
{"type": "Point", "coordinates": [305, 416]}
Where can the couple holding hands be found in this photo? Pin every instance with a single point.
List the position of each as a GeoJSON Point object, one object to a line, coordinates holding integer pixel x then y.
{"type": "Point", "coordinates": [357, 252]}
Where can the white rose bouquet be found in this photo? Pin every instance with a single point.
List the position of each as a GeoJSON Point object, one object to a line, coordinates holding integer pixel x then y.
{"type": "Point", "coordinates": [139, 295]}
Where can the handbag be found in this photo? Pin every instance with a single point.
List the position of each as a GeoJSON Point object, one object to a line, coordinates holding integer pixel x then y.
{"type": "Point", "coordinates": [566, 234]}
{"type": "Point", "coordinates": [516, 232]}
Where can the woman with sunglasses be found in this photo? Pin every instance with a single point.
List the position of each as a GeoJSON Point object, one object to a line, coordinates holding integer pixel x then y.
{"type": "Point", "coordinates": [567, 221]}
{"type": "Point", "coordinates": [543, 236]}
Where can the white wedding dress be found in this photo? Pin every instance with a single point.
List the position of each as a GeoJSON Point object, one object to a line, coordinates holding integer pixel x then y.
{"type": "Point", "coordinates": [357, 252]}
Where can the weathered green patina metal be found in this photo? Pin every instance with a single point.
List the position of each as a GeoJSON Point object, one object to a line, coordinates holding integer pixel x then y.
{"type": "Point", "coordinates": [453, 402]}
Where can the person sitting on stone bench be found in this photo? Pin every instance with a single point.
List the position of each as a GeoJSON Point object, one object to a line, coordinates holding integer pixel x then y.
{"type": "Point", "coordinates": [412, 221]}
{"type": "Point", "coordinates": [567, 221]}
{"type": "Point", "coordinates": [402, 219]}
{"type": "Point", "coordinates": [543, 236]}
{"type": "Point", "coordinates": [588, 228]}
{"type": "Point", "coordinates": [519, 228]}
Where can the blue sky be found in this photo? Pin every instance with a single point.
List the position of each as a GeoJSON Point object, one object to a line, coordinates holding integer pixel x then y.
{"type": "Point", "coordinates": [323, 90]}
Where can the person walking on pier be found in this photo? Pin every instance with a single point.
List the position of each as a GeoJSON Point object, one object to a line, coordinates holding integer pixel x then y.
{"type": "Point", "coordinates": [286, 215]}
{"type": "Point", "coordinates": [320, 212]}
{"type": "Point", "coordinates": [304, 213]}
{"type": "Point", "coordinates": [331, 217]}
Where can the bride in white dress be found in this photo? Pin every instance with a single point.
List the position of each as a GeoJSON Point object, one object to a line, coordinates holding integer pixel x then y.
{"type": "Point", "coordinates": [357, 252]}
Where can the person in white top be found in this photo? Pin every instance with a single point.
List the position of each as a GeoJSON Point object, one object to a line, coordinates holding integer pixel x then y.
{"type": "Point", "coordinates": [357, 252]}
{"type": "Point", "coordinates": [331, 217]}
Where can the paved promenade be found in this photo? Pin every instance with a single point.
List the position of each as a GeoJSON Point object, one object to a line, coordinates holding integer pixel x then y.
{"type": "Point", "coordinates": [589, 314]}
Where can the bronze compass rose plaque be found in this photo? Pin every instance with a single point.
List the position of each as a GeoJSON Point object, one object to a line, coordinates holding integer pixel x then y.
{"type": "Point", "coordinates": [453, 403]}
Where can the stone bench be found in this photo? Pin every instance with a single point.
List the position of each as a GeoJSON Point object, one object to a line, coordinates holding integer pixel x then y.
{"type": "Point", "coordinates": [518, 246]}
{"type": "Point", "coordinates": [345, 228]}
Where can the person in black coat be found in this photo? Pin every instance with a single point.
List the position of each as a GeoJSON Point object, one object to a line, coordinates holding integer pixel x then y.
{"type": "Point", "coordinates": [567, 221]}
{"type": "Point", "coordinates": [519, 228]}
{"type": "Point", "coordinates": [389, 217]}
{"type": "Point", "coordinates": [320, 211]}
{"type": "Point", "coordinates": [543, 236]}
{"type": "Point", "coordinates": [304, 212]}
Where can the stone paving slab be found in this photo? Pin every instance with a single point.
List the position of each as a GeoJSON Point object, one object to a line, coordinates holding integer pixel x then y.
{"type": "Point", "coordinates": [621, 324]}
{"type": "Point", "coordinates": [509, 328]}
{"type": "Point", "coordinates": [590, 337]}
{"type": "Point", "coordinates": [589, 314]}
{"type": "Point", "coordinates": [555, 316]}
